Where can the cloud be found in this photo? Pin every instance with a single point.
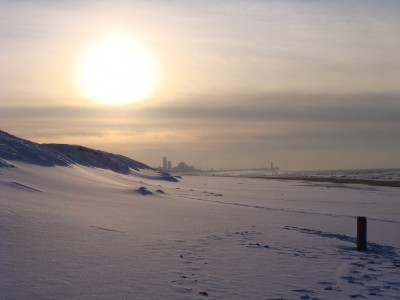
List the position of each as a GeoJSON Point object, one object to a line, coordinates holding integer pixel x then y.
{"type": "Point", "coordinates": [223, 130]}
{"type": "Point", "coordinates": [252, 108]}
{"type": "Point", "coordinates": [241, 79]}
{"type": "Point", "coordinates": [260, 117]}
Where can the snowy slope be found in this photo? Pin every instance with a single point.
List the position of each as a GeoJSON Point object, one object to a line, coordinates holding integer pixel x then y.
{"type": "Point", "coordinates": [14, 149]}
{"type": "Point", "coordinates": [89, 233]}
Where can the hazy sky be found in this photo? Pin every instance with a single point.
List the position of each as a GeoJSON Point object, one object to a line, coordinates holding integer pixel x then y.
{"type": "Point", "coordinates": [306, 84]}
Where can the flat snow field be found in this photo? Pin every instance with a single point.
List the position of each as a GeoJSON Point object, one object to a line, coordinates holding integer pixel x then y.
{"type": "Point", "coordinates": [81, 233]}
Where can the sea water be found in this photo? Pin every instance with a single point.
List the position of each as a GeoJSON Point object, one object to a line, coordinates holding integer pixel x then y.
{"type": "Point", "coordinates": [363, 174]}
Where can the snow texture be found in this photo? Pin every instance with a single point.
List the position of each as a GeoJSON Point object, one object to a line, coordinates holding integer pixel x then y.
{"type": "Point", "coordinates": [82, 232]}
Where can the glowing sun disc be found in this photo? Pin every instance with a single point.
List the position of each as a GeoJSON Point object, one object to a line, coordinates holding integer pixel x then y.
{"type": "Point", "coordinates": [116, 71]}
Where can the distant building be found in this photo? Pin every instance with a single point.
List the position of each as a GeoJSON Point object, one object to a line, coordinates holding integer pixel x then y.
{"type": "Point", "coordinates": [165, 163]}
{"type": "Point", "coordinates": [182, 167]}
{"type": "Point", "coordinates": [273, 168]}
{"type": "Point", "coordinates": [169, 165]}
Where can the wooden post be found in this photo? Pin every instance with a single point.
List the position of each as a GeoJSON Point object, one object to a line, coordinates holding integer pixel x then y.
{"type": "Point", "coordinates": [361, 233]}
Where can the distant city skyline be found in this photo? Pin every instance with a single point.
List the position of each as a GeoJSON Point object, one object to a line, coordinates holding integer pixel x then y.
{"type": "Point", "coordinates": [166, 164]}
{"type": "Point", "coordinates": [220, 84]}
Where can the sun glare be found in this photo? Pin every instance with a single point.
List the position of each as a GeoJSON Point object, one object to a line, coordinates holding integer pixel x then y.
{"type": "Point", "coordinates": [116, 70]}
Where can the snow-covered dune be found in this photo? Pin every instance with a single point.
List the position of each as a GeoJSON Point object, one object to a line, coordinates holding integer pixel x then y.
{"type": "Point", "coordinates": [14, 149]}
{"type": "Point", "coordinates": [85, 232]}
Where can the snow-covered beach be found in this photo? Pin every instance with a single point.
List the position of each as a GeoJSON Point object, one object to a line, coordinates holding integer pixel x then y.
{"type": "Point", "coordinates": [190, 150]}
{"type": "Point", "coordinates": [88, 233]}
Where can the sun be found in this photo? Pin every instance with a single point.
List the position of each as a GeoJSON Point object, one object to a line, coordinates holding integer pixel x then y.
{"type": "Point", "coordinates": [116, 70]}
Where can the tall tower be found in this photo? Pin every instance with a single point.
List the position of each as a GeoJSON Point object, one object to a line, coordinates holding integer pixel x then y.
{"type": "Point", "coordinates": [272, 165]}
{"type": "Point", "coordinates": [165, 163]}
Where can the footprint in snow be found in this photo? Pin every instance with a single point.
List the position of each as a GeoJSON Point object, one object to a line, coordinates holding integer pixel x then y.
{"type": "Point", "coordinates": [354, 296]}
{"type": "Point", "coordinates": [256, 245]}
{"type": "Point", "coordinates": [329, 286]}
